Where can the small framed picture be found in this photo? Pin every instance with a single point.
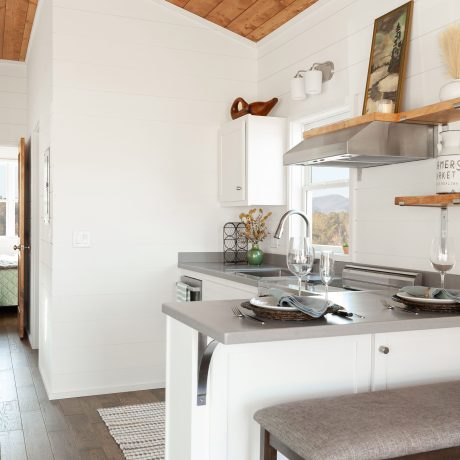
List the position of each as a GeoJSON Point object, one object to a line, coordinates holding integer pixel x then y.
{"type": "Point", "coordinates": [387, 63]}
{"type": "Point", "coordinates": [46, 187]}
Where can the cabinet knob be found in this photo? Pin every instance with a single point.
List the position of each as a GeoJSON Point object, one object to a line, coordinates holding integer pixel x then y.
{"type": "Point", "coordinates": [384, 350]}
{"type": "Point", "coordinates": [238, 187]}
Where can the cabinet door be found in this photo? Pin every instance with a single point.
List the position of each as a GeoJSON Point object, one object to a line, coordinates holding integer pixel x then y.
{"type": "Point", "coordinates": [416, 357]}
{"type": "Point", "coordinates": [233, 162]}
{"type": "Point", "coordinates": [245, 378]}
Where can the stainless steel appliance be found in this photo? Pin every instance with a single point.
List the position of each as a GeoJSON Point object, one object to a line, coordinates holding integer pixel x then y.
{"type": "Point", "coordinates": [365, 278]}
{"type": "Point", "coordinates": [354, 278]}
{"type": "Point", "coordinates": [376, 143]}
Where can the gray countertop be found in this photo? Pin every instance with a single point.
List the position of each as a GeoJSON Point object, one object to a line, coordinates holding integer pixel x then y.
{"type": "Point", "coordinates": [225, 271]}
{"type": "Point", "coordinates": [215, 319]}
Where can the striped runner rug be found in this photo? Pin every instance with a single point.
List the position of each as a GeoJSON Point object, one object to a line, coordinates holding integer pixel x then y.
{"type": "Point", "coordinates": [139, 429]}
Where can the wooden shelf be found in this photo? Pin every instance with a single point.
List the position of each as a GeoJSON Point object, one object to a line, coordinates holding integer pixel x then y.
{"type": "Point", "coordinates": [351, 122]}
{"type": "Point", "coordinates": [434, 114]}
{"type": "Point", "coordinates": [438, 201]}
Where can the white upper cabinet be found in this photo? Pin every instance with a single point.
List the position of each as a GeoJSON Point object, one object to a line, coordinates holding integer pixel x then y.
{"type": "Point", "coordinates": [251, 161]}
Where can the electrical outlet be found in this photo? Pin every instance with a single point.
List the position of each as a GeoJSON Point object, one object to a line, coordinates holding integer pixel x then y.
{"type": "Point", "coordinates": [81, 239]}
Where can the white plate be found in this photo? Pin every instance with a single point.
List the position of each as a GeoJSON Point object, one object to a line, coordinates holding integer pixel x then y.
{"type": "Point", "coordinates": [406, 296]}
{"type": "Point", "coordinates": [269, 303]}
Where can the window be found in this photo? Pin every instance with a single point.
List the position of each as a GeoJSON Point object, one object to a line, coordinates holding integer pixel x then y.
{"type": "Point", "coordinates": [327, 201]}
{"type": "Point", "coordinates": [9, 198]}
{"type": "Point", "coordinates": [322, 192]}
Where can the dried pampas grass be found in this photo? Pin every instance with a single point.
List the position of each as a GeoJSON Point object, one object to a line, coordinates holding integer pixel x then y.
{"type": "Point", "coordinates": [450, 46]}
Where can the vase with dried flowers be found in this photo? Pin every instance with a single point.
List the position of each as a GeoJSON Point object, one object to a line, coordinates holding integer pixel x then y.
{"type": "Point", "coordinates": [450, 46]}
{"type": "Point", "coordinates": [255, 223]}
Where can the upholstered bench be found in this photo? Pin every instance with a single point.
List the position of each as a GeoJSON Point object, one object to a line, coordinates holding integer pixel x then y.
{"type": "Point", "coordinates": [421, 422]}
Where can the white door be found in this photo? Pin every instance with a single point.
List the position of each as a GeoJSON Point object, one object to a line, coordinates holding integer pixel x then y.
{"type": "Point", "coordinates": [233, 161]}
{"type": "Point", "coordinates": [416, 357]}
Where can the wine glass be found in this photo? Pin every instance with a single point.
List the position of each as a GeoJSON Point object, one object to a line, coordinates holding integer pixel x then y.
{"type": "Point", "coordinates": [442, 256]}
{"type": "Point", "coordinates": [326, 270]}
{"type": "Point", "coordinates": [300, 258]}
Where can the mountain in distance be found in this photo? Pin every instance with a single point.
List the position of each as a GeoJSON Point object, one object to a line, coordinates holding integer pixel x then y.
{"type": "Point", "coordinates": [330, 203]}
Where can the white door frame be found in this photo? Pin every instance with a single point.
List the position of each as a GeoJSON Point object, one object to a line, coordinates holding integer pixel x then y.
{"type": "Point", "coordinates": [35, 160]}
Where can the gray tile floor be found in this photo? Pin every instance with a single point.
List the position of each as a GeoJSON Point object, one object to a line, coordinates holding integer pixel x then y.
{"type": "Point", "coordinates": [34, 428]}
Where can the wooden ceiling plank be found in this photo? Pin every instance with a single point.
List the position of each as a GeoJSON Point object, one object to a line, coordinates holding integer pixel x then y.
{"type": "Point", "coordinates": [8, 30]}
{"type": "Point", "coordinates": [279, 19]}
{"type": "Point", "coordinates": [228, 10]}
{"type": "Point", "coordinates": [28, 28]}
{"type": "Point", "coordinates": [15, 21]}
{"type": "Point", "coordinates": [256, 15]}
{"type": "Point", "coordinates": [2, 25]}
{"type": "Point", "coordinates": [253, 19]}
{"type": "Point", "coordinates": [201, 7]}
{"type": "Point", "coordinates": [180, 3]}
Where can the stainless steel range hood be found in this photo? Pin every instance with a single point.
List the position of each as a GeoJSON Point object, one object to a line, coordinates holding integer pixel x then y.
{"type": "Point", "coordinates": [376, 143]}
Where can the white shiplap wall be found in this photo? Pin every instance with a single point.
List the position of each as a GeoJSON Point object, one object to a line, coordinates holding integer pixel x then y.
{"type": "Point", "coordinates": [341, 31]}
{"type": "Point", "coordinates": [13, 102]}
{"type": "Point", "coordinates": [39, 67]}
{"type": "Point", "coordinates": [138, 99]}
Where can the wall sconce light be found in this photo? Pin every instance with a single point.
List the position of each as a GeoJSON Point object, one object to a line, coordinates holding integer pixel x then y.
{"type": "Point", "coordinates": [312, 80]}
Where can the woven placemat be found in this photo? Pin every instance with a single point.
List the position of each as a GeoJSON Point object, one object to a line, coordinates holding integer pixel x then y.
{"type": "Point", "coordinates": [430, 307]}
{"type": "Point", "coordinates": [265, 313]}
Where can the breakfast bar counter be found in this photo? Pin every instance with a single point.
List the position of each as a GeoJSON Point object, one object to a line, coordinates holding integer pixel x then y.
{"type": "Point", "coordinates": [209, 409]}
{"type": "Point", "coordinates": [215, 319]}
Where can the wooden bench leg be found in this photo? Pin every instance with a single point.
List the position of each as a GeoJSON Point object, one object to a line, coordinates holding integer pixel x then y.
{"type": "Point", "coordinates": [267, 452]}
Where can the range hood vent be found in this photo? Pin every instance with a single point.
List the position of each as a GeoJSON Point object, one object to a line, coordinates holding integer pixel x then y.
{"type": "Point", "coordinates": [376, 143]}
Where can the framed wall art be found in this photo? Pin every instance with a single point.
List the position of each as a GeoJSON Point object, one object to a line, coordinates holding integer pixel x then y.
{"type": "Point", "coordinates": [387, 62]}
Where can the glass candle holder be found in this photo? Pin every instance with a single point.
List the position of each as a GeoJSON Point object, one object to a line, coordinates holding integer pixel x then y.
{"type": "Point", "coordinates": [385, 106]}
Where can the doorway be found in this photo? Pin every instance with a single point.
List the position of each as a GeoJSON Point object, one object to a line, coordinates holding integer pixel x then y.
{"type": "Point", "coordinates": [14, 233]}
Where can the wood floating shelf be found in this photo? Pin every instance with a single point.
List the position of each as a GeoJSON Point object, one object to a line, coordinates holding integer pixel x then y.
{"type": "Point", "coordinates": [438, 201]}
{"type": "Point", "coordinates": [434, 114]}
{"type": "Point", "coordinates": [350, 123]}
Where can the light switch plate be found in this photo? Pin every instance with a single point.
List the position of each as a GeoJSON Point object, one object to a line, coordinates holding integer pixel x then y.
{"type": "Point", "coordinates": [81, 239]}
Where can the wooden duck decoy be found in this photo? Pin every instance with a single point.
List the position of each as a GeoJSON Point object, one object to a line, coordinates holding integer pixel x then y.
{"type": "Point", "coordinates": [240, 108]}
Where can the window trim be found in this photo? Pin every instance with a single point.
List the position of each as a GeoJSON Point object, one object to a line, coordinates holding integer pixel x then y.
{"type": "Point", "coordinates": [297, 127]}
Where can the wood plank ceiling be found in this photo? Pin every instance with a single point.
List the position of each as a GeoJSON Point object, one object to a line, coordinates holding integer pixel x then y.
{"type": "Point", "coordinates": [16, 19]}
{"type": "Point", "coordinates": [253, 19]}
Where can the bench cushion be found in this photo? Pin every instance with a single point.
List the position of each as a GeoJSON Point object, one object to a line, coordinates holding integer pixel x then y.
{"type": "Point", "coordinates": [368, 426]}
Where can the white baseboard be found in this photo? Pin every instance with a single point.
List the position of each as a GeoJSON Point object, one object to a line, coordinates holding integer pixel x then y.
{"type": "Point", "coordinates": [44, 380]}
{"type": "Point", "coordinates": [32, 341]}
{"type": "Point", "coordinates": [102, 390]}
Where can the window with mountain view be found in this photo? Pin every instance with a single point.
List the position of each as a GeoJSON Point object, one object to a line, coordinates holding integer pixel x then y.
{"type": "Point", "coordinates": [323, 191]}
{"type": "Point", "coordinates": [328, 204]}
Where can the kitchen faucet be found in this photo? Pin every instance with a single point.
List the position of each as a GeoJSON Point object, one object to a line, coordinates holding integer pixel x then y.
{"type": "Point", "coordinates": [279, 230]}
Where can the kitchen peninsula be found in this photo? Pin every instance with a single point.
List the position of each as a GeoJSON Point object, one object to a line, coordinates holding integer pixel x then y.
{"type": "Point", "coordinates": [254, 366]}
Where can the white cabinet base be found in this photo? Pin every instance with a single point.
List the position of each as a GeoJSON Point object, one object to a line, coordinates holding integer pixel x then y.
{"type": "Point", "coordinates": [245, 378]}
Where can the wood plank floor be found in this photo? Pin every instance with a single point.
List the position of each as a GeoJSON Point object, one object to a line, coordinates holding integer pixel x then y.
{"type": "Point", "coordinates": [34, 428]}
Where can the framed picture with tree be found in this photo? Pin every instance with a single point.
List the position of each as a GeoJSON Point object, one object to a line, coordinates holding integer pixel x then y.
{"type": "Point", "coordinates": [387, 62]}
